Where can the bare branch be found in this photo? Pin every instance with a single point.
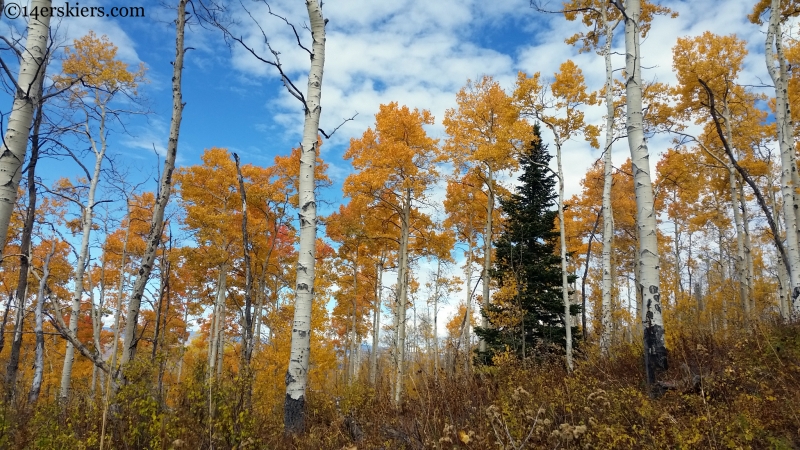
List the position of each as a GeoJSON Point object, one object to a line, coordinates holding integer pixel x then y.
{"type": "Point", "coordinates": [328, 136]}
{"type": "Point", "coordinates": [297, 36]}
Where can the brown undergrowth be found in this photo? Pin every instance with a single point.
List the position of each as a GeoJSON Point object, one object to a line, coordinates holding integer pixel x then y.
{"type": "Point", "coordinates": [742, 391]}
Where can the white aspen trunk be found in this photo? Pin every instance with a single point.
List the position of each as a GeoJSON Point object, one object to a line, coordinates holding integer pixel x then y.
{"type": "Point", "coordinates": [215, 336]}
{"type": "Point", "coordinates": [436, 318]}
{"type": "Point", "coordinates": [247, 332]}
{"type": "Point", "coordinates": [112, 376]}
{"type": "Point", "coordinates": [26, 97]}
{"type": "Point", "coordinates": [563, 242]}
{"type": "Point", "coordinates": [466, 332]}
{"type": "Point", "coordinates": [260, 295]}
{"type": "Point", "coordinates": [183, 346]}
{"type": "Point", "coordinates": [783, 274]}
{"type": "Point", "coordinates": [97, 320]}
{"type": "Point", "coordinates": [787, 123]}
{"type": "Point", "coordinates": [487, 253]}
{"type": "Point", "coordinates": [38, 365]}
{"type": "Point", "coordinates": [608, 213]}
{"type": "Point", "coordinates": [741, 262]}
{"type": "Point", "coordinates": [211, 356]}
{"type": "Point", "coordinates": [297, 374]}
{"type": "Point", "coordinates": [354, 335]}
{"type": "Point", "coordinates": [19, 322]}
{"type": "Point", "coordinates": [220, 334]}
{"type": "Point", "coordinates": [92, 314]}
{"type": "Point", "coordinates": [654, 344]}
{"type": "Point", "coordinates": [164, 191]}
{"type": "Point", "coordinates": [25, 260]}
{"type": "Point", "coordinates": [87, 220]}
{"type": "Point", "coordinates": [402, 295]}
{"type": "Point", "coordinates": [723, 276]}
{"type": "Point", "coordinates": [678, 288]}
{"type": "Point", "coordinates": [748, 246]}
{"type": "Point", "coordinates": [376, 326]}
{"type": "Point", "coordinates": [396, 322]}
{"type": "Point", "coordinates": [120, 293]}
{"type": "Point", "coordinates": [785, 139]}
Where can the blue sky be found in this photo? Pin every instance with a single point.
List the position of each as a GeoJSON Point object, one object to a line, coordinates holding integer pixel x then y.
{"type": "Point", "coordinates": [415, 52]}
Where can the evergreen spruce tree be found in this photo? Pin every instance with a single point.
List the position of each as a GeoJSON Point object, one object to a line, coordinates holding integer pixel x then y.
{"type": "Point", "coordinates": [526, 314]}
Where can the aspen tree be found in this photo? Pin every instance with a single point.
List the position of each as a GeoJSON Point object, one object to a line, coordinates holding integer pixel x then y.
{"type": "Point", "coordinates": [27, 91]}
{"type": "Point", "coordinates": [559, 110]}
{"type": "Point", "coordinates": [603, 18]}
{"type": "Point", "coordinates": [25, 251]}
{"type": "Point", "coordinates": [93, 61]}
{"type": "Point", "coordinates": [465, 214]}
{"type": "Point", "coordinates": [712, 62]}
{"type": "Point", "coordinates": [297, 374]}
{"type": "Point", "coordinates": [778, 69]}
{"type": "Point", "coordinates": [395, 166]}
{"type": "Point", "coordinates": [164, 191]}
{"type": "Point", "coordinates": [485, 131]}
{"type": "Point", "coordinates": [648, 268]}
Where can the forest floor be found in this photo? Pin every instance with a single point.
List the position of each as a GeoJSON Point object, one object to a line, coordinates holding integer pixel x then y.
{"type": "Point", "coordinates": [739, 391]}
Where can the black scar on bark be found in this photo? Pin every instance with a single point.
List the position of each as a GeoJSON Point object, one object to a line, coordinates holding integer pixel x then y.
{"type": "Point", "coordinates": [294, 416]}
{"type": "Point", "coordinates": [655, 355]}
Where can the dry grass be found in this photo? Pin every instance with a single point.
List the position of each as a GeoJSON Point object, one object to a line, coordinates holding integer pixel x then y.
{"type": "Point", "coordinates": [738, 392]}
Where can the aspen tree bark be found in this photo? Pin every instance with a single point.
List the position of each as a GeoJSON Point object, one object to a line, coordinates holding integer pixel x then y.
{"type": "Point", "coordinates": [676, 231]}
{"type": "Point", "coordinates": [741, 263]}
{"type": "Point", "coordinates": [487, 252]}
{"type": "Point", "coordinates": [376, 325]}
{"type": "Point", "coordinates": [608, 214]}
{"type": "Point", "coordinates": [785, 138]}
{"type": "Point", "coordinates": [297, 374]}
{"type": "Point", "coordinates": [87, 221]}
{"type": "Point", "coordinates": [783, 273]}
{"type": "Point", "coordinates": [466, 332]}
{"type": "Point", "coordinates": [653, 322]}
{"type": "Point", "coordinates": [113, 372]}
{"type": "Point", "coordinates": [260, 296]}
{"type": "Point", "coordinates": [741, 259]}
{"type": "Point", "coordinates": [90, 291]}
{"type": "Point", "coordinates": [585, 276]}
{"type": "Point", "coordinates": [9, 305]}
{"type": "Point", "coordinates": [164, 190]}
{"type": "Point", "coordinates": [162, 291]}
{"type": "Point", "coordinates": [351, 368]}
{"type": "Point", "coordinates": [723, 274]}
{"type": "Point", "coordinates": [25, 247]}
{"type": "Point", "coordinates": [247, 333]}
{"type": "Point", "coordinates": [38, 364]}
{"type": "Point", "coordinates": [435, 318]}
{"type": "Point", "coordinates": [26, 96]}
{"type": "Point", "coordinates": [402, 295]}
{"type": "Point", "coordinates": [120, 292]}
{"type": "Point", "coordinates": [216, 332]}
{"type": "Point", "coordinates": [563, 242]}
{"type": "Point", "coordinates": [16, 343]}
{"type": "Point", "coordinates": [183, 346]}
{"type": "Point", "coordinates": [748, 246]}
